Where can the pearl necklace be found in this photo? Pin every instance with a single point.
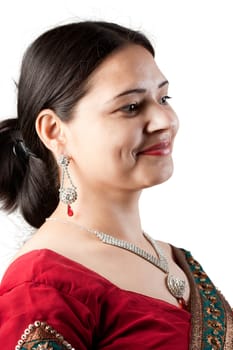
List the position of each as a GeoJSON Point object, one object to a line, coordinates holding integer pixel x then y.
{"type": "Point", "coordinates": [175, 285]}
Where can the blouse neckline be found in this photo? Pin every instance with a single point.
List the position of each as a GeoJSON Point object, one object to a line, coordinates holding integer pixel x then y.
{"type": "Point", "coordinates": [97, 274]}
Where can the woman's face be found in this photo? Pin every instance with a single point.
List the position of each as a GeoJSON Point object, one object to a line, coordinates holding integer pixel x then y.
{"type": "Point", "coordinates": [124, 112]}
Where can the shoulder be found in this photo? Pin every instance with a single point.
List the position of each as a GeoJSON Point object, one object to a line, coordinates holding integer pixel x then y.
{"type": "Point", "coordinates": [48, 268]}
{"type": "Point", "coordinates": [43, 291]}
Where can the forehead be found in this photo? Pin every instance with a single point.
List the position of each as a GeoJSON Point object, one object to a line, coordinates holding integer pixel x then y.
{"type": "Point", "coordinates": [131, 67]}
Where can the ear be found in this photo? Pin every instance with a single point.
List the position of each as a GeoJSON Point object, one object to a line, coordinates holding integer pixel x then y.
{"type": "Point", "coordinates": [50, 130]}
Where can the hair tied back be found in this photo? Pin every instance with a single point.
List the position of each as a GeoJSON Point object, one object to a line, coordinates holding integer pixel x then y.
{"type": "Point", "coordinates": [21, 151]}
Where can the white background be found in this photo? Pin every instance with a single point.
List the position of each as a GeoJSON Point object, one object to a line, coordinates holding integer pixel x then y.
{"type": "Point", "coordinates": [193, 41]}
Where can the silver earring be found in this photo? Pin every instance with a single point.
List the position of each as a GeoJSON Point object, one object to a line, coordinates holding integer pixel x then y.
{"type": "Point", "coordinates": [67, 195]}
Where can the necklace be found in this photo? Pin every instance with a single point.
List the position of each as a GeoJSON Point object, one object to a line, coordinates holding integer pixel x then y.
{"type": "Point", "coordinates": [175, 285]}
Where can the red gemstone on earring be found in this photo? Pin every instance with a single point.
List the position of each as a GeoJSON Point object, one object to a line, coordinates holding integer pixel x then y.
{"type": "Point", "coordinates": [69, 210]}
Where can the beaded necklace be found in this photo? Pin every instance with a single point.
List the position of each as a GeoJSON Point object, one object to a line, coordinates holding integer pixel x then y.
{"type": "Point", "coordinates": [175, 285]}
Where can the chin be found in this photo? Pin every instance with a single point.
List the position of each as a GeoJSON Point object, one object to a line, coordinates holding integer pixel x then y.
{"type": "Point", "coordinates": [159, 177]}
{"type": "Point", "coordinates": [156, 182]}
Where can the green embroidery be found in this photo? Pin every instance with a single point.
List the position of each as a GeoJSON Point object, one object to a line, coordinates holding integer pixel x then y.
{"type": "Point", "coordinates": [214, 324]}
{"type": "Point", "coordinates": [42, 345]}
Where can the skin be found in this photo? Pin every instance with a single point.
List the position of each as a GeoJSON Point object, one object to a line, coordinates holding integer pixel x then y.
{"type": "Point", "coordinates": [103, 140]}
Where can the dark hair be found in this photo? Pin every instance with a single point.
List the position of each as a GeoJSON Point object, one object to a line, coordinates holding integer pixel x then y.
{"type": "Point", "coordinates": [54, 74]}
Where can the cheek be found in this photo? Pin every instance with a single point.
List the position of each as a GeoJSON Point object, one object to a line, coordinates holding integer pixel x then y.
{"type": "Point", "coordinates": [174, 122]}
{"type": "Point", "coordinates": [124, 145]}
{"type": "Point", "coordinates": [105, 147]}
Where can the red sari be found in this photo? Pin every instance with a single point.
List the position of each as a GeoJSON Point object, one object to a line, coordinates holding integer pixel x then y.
{"type": "Point", "coordinates": [56, 303]}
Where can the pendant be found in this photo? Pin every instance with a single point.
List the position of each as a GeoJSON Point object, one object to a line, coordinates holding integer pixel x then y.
{"type": "Point", "coordinates": [69, 210]}
{"type": "Point", "coordinates": [176, 286]}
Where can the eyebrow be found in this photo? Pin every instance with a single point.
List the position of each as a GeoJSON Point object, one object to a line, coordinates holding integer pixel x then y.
{"type": "Point", "coordinates": [165, 82]}
{"type": "Point", "coordinates": [139, 91]}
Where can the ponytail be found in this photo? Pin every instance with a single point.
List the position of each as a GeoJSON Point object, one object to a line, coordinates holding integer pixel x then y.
{"type": "Point", "coordinates": [12, 169]}
{"type": "Point", "coordinates": [25, 181]}
{"type": "Point", "coordinates": [38, 197]}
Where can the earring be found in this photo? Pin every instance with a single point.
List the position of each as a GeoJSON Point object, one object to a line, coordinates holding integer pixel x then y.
{"type": "Point", "coordinates": [67, 195]}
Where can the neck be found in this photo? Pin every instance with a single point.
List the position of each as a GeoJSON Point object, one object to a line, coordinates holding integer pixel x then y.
{"type": "Point", "coordinates": [114, 214]}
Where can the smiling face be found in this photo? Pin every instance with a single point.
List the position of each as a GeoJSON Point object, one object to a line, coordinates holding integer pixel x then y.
{"type": "Point", "coordinates": [124, 112]}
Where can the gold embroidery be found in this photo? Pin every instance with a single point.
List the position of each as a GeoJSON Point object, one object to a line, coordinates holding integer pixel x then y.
{"type": "Point", "coordinates": [214, 342]}
{"type": "Point", "coordinates": [217, 332]}
{"type": "Point", "coordinates": [41, 336]}
{"type": "Point", "coordinates": [44, 347]}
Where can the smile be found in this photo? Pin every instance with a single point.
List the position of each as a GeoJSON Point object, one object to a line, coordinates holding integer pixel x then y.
{"type": "Point", "coordinates": [160, 149]}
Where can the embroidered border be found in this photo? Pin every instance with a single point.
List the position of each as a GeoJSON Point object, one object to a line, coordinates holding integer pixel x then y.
{"type": "Point", "coordinates": [194, 304]}
{"type": "Point", "coordinates": [214, 318]}
{"type": "Point", "coordinates": [41, 336]}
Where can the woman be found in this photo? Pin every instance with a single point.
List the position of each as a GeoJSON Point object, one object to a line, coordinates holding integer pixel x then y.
{"type": "Point", "coordinates": [94, 128]}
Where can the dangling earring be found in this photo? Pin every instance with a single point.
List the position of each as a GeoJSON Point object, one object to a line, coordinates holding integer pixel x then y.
{"type": "Point", "coordinates": [67, 195]}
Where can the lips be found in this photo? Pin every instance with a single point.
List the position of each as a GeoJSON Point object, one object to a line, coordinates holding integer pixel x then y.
{"type": "Point", "coordinates": [159, 149]}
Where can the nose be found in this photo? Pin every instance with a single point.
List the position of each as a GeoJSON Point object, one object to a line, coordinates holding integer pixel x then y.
{"type": "Point", "coordinates": [161, 117]}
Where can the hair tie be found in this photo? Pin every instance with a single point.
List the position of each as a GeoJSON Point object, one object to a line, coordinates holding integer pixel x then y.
{"type": "Point", "coordinates": [21, 151]}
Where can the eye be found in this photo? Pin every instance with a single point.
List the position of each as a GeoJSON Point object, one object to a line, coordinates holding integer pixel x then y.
{"type": "Point", "coordinates": [164, 99]}
{"type": "Point", "coordinates": [132, 108]}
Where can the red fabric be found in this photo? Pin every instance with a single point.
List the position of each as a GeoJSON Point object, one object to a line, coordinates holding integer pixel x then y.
{"type": "Point", "coordinates": [87, 309]}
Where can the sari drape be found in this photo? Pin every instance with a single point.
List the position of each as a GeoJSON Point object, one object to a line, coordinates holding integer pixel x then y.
{"type": "Point", "coordinates": [211, 315]}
